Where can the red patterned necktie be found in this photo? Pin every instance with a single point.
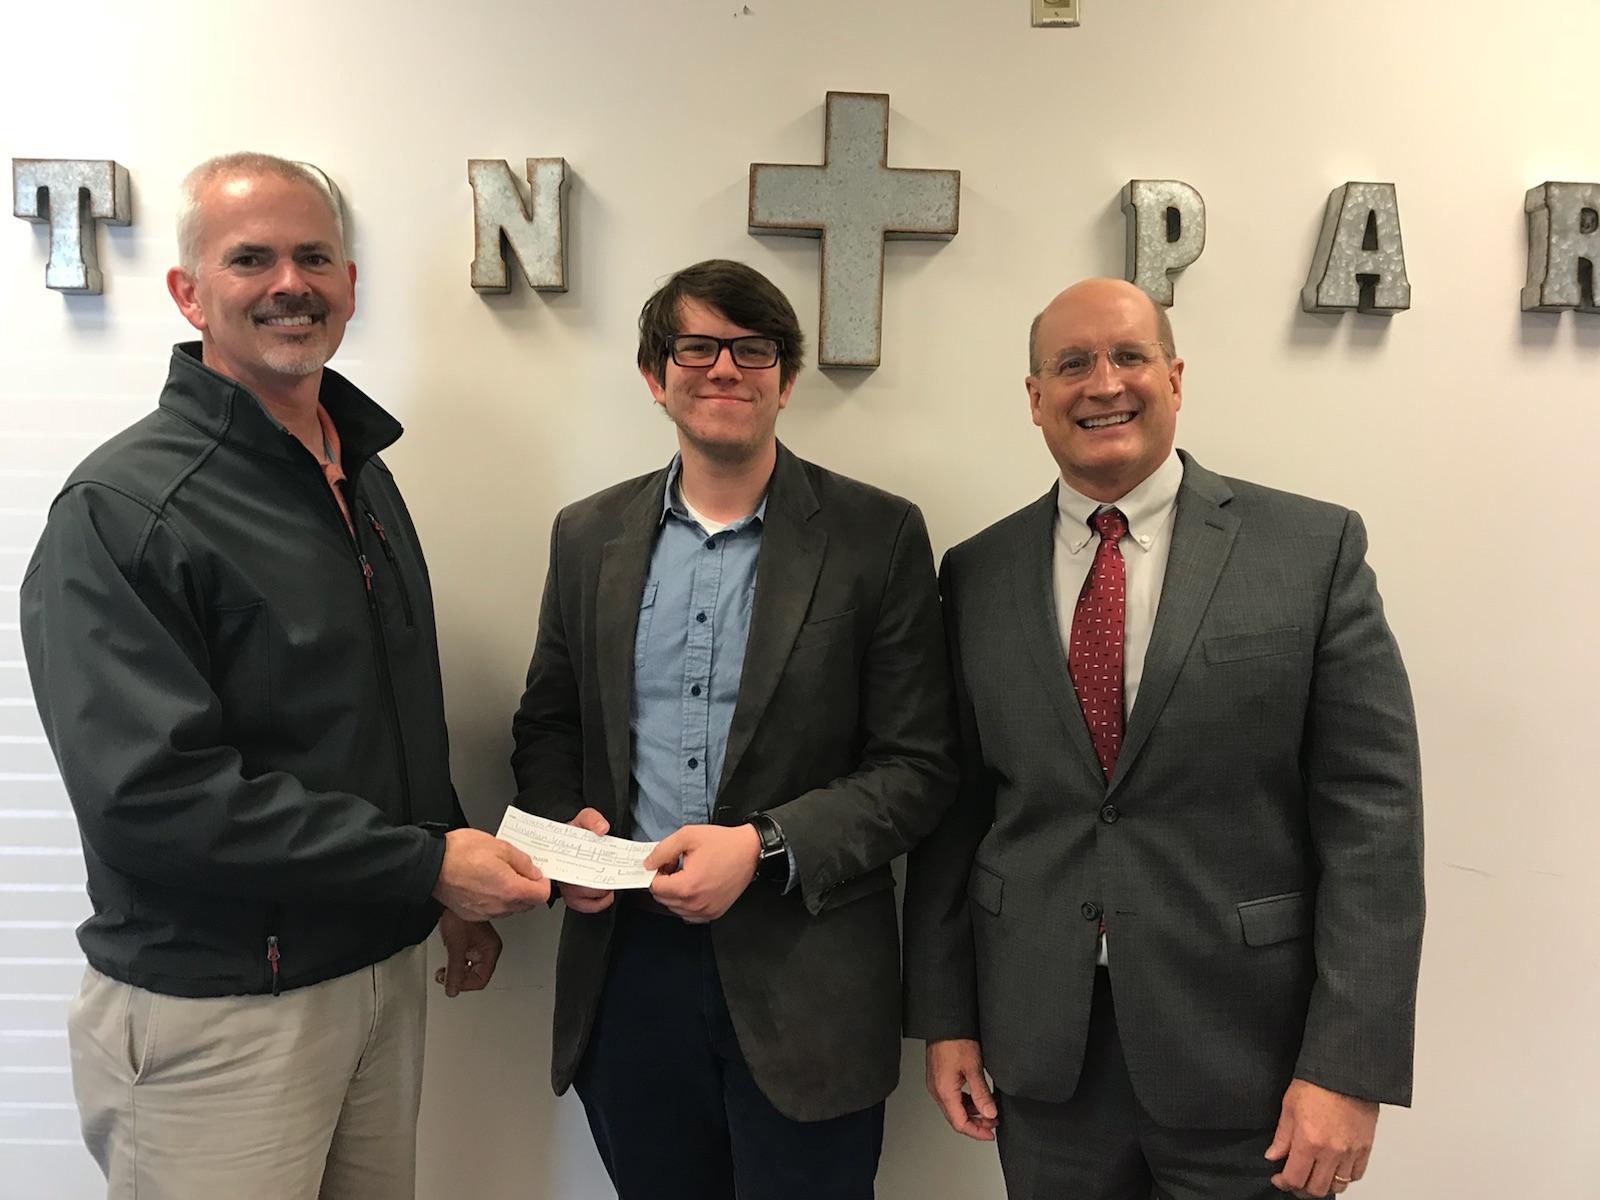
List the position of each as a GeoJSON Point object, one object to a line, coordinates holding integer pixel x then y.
{"type": "Point", "coordinates": [1095, 659]}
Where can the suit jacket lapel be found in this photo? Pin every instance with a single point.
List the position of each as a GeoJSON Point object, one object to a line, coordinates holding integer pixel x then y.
{"type": "Point", "coordinates": [1033, 587]}
{"type": "Point", "coordinates": [786, 575]}
{"type": "Point", "coordinates": [1202, 538]}
{"type": "Point", "coordinates": [624, 562]}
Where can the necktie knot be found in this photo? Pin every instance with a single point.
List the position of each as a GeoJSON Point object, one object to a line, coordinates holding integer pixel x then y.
{"type": "Point", "coordinates": [1110, 524]}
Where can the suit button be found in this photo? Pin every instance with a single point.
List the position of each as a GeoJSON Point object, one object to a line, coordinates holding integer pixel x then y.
{"type": "Point", "coordinates": [1109, 814]}
{"type": "Point", "coordinates": [1090, 911]}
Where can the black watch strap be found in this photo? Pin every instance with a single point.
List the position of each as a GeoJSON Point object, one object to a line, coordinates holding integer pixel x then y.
{"type": "Point", "coordinates": [773, 863]}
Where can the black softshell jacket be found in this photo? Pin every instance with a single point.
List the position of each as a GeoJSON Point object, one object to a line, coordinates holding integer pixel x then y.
{"type": "Point", "coordinates": [244, 698]}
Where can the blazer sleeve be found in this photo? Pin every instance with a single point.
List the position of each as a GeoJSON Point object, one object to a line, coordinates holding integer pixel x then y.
{"type": "Point", "coordinates": [941, 978]}
{"type": "Point", "coordinates": [906, 776]}
{"type": "Point", "coordinates": [1363, 790]}
{"type": "Point", "coordinates": [547, 759]}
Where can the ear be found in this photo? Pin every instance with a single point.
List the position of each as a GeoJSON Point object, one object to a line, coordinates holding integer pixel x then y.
{"type": "Point", "coordinates": [181, 287]}
{"type": "Point", "coordinates": [657, 387]}
{"type": "Point", "coordinates": [783, 396]}
{"type": "Point", "coordinates": [1175, 382]}
{"type": "Point", "coordinates": [1035, 397]}
{"type": "Point", "coordinates": [352, 269]}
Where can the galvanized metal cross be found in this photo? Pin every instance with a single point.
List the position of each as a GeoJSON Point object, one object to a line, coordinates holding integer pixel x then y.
{"type": "Point", "coordinates": [853, 201]}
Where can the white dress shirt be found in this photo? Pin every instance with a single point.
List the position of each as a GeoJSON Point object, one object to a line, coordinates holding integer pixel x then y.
{"type": "Point", "coordinates": [1150, 509]}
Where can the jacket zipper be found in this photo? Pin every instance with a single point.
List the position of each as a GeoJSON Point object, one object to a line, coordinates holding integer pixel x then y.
{"type": "Point", "coordinates": [385, 678]}
{"type": "Point", "coordinates": [394, 565]}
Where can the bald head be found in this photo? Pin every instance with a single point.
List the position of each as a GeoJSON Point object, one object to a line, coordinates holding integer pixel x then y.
{"type": "Point", "coordinates": [1090, 295]}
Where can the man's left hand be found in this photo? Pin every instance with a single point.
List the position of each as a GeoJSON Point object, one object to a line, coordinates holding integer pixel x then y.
{"type": "Point", "coordinates": [1323, 1140]}
{"type": "Point", "coordinates": [718, 863]}
{"type": "Point", "coordinates": [471, 949]}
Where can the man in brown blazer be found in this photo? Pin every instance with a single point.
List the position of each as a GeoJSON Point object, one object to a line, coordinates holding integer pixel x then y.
{"type": "Point", "coordinates": [741, 656]}
{"type": "Point", "coordinates": [1176, 911]}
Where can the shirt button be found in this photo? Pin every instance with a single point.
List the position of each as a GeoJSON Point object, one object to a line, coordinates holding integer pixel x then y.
{"type": "Point", "coordinates": [701, 617]}
{"type": "Point", "coordinates": [1109, 814]}
{"type": "Point", "coordinates": [1090, 911]}
{"type": "Point", "coordinates": [693, 763]}
{"type": "Point", "coordinates": [711, 543]}
{"type": "Point", "coordinates": [695, 690]}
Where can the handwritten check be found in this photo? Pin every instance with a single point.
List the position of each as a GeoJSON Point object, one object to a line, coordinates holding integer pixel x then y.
{"type": "Point", "coordinates": [575, 855]}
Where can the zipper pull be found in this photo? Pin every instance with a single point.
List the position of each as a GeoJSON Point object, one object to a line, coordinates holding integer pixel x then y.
{"type": "Point", "coordinates": [383, 537]}
{"type": "Point", "coordinates": [272, 960]}
{"type": "Point", "coordinates": [366, 571]}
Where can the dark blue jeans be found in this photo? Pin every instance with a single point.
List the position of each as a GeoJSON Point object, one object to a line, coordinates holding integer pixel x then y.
{"type": "Point", "coordinates": [674, 1110]}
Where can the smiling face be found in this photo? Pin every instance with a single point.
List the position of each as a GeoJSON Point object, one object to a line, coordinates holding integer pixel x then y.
{"type": "Point", "coordinates": [725, 413]}
{"type": "Point", "coordinates": [271, 291]}
{"type": "Point", "coordinates": [1112, 428]}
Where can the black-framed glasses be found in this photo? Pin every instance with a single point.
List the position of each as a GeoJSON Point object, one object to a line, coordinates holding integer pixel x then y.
{"type": "Point", "coordinates": [1075, 363]}
{"type": "Point", "coordinates": [752, 351]}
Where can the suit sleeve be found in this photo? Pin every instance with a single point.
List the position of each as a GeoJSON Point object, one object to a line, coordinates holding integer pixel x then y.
{"type": "Point", "coordinates": [113, 623]}
{"type": "Point", "coordinates": [1364, 800]}
{"type": "Point", "coordinates": [941, 978]}
{"type": "Point", "coordinates": [907, 777]}
{"type": "Point", "coordinates": [548, 727]}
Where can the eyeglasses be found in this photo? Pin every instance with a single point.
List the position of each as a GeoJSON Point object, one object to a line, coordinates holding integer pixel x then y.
{"type": "Point", "coordinates": [1074, 363]}
{"type": "Point", "coordinates": [753, 352]}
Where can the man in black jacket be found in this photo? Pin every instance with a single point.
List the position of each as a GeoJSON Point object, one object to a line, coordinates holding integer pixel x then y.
{"type": "Point", "coordinates": [231, 639]}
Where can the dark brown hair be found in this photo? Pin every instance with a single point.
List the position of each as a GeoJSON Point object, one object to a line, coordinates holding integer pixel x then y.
{"type": "Point", "coordinates": [740, 293]}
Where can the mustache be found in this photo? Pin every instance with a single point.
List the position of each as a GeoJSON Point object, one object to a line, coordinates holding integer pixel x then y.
{"type": "Point", "coordinates": [290, 306]}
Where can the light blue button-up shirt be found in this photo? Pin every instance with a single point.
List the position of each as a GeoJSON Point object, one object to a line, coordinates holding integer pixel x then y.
{"type": "Point", "coordinates": [688, 655]}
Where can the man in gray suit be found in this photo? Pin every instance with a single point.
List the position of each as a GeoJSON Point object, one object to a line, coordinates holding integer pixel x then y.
{"type": "Point", "coordinates": [739, 655]}
{"type": "Point", "coordinates": [1176, 911]}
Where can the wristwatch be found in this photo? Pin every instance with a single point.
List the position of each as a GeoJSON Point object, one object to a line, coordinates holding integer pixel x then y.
{"type": "Point", "coordinates": [773, 862]}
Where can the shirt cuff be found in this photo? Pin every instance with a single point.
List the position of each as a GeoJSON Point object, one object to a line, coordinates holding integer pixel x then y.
{"type": "Point", "coordinates": [794, 870]}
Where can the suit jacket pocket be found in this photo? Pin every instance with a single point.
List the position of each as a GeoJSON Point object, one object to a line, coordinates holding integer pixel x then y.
{"type": "Point", "coordinates": [1253, 645]}
{"type": "Point", "coordinates": [1276, 918]}
{"type": "Point", "coordinates": [985, 888]}
{"type": "Point", "coordinates": [825, 629]}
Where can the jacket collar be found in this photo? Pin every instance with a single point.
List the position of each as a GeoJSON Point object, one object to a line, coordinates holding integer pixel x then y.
{"type": "Point", "coordinates": [229, 412]}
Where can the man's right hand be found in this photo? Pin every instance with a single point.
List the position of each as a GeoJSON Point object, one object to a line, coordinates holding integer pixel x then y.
{"type": "Point", "coordinates": [959, 1087]}
{"type": "Point", "coordinates": [585, 899]}
{"type": "Point", "coordinates": [483, 878]}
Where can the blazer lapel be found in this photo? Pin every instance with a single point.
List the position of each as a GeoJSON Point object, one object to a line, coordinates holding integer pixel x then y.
{"type": "Point", "coordinates": [786, 575]}
{"type": "Point", "coordinates": [1033, 588]}
{"type": "Point", "coordinates": [624, 562]}
{"type": "Point", "coordinates": [1202, 538]}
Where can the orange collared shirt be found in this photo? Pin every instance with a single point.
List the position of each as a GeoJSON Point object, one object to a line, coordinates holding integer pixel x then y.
{"type": "Point", "coordinates": [331, 469]}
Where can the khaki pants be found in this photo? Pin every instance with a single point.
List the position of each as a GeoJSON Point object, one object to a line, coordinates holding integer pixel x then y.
{"type": "Point", "coordinates": [310, 1094]}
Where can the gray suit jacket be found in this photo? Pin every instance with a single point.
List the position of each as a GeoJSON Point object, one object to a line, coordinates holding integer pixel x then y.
{"type": "Point", "coordinates": [1257, 853]}
{"type": "Point", "coordinates": [841, 731]}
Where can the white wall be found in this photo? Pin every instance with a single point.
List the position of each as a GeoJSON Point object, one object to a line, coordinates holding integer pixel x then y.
{"type": "Point", "coordinates": [1463, 430]}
